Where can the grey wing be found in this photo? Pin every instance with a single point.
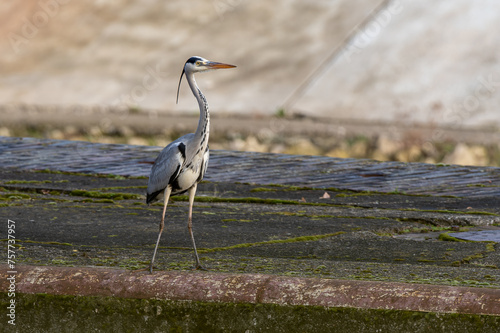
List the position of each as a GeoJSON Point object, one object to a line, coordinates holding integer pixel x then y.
{"type": "Point", "coordinates": [166, 168]}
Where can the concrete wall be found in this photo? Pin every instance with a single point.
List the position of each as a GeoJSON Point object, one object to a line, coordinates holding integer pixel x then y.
{"type": "Point", "coordinates": [399, 60]}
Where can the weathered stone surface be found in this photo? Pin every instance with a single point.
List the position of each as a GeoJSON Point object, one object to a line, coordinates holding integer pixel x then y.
{"type": "Point", "coordinates": [253, 288]}
{"type": "Point", "coordinates": [263, 243]}
{"type": "Point", "coordinates": [232, 166]}
{"type": "Point", "coordinates": [43, 313]}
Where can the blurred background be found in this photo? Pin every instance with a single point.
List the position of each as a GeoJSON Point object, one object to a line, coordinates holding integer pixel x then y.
{"type": "Point", "coordinates": [389, 80]}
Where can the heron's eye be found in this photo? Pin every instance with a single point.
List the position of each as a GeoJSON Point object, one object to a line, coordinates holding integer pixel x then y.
{"type": "Point", "coordinates": [198, 63]}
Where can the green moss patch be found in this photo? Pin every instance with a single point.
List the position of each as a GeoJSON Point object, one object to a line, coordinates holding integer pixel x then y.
{"type": "Point", "coordinates": [101, 195]}
{"type": "Point", "coordinates": [276, 241]}
{"type": "Point", "coordinates": [43, 313]}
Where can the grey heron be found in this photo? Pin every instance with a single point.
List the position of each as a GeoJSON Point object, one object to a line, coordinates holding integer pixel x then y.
{"type": "Point", "coordinates": [181, 165]}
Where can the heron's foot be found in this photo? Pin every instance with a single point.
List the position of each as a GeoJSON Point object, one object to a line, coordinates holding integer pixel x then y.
{"type": "Point", "coordinates": [149, 268]}
{"type": "Point", "coordinates": [199, 267]}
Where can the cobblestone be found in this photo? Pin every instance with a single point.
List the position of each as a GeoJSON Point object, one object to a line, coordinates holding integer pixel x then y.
{"type": "Point", "coordinates": [258, 168]}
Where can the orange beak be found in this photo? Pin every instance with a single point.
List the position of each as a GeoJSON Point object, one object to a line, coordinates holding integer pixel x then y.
{"type": "Point", "coordinates": [218, 65]}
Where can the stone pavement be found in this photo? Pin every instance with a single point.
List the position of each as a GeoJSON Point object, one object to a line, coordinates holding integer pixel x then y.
{"type": "Point", "coordinates": [258, 168]}
{"type": "Point", "coordinates": [78, 205]}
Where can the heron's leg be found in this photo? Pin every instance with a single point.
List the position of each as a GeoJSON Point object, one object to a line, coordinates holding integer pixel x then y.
{"type": "Point", "coordinates": [192, 192]}
{"type": "Point", "coordinates": [166, 196]}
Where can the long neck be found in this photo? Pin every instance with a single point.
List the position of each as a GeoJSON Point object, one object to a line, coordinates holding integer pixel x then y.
{"type": "Point", "coordinates": [202, 132]}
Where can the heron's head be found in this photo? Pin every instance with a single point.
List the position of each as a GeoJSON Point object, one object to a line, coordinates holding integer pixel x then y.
{"type": "Point", "coordinates": [199, 64]}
